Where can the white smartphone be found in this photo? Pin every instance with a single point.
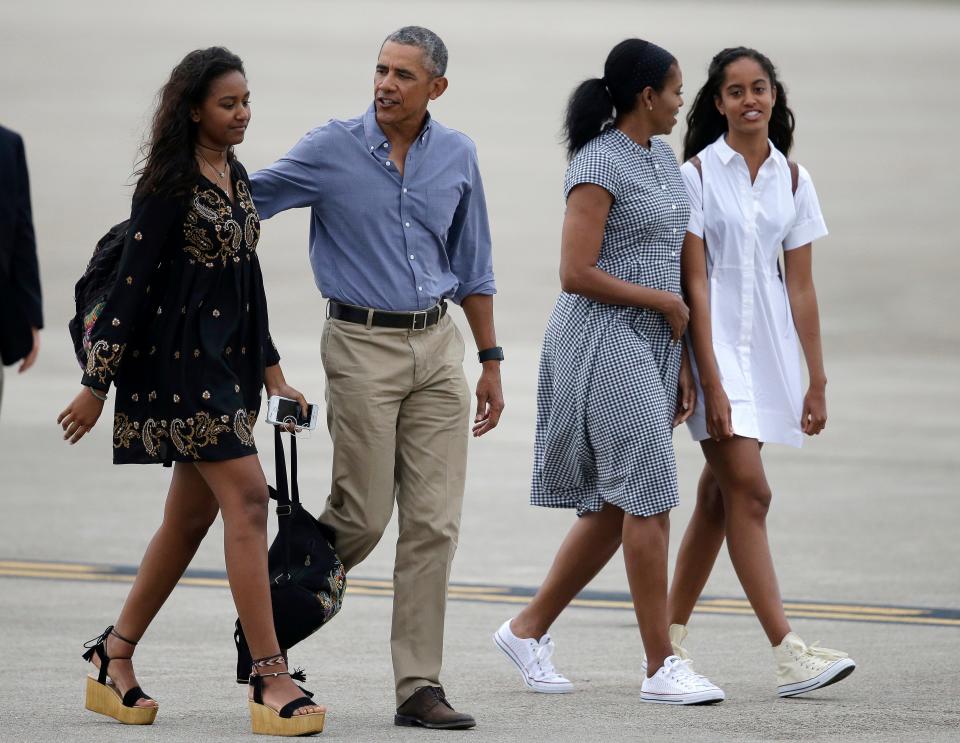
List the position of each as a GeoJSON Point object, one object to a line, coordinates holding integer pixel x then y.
{"type": "Point", "coordinates": [283, 410]}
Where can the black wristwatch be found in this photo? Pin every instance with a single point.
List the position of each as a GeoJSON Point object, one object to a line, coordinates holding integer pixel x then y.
{"type": "Point", "coordinates": [491, 354]}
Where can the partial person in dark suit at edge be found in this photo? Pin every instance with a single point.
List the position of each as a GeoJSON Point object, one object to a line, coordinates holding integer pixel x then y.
{"type": "Point", "coordinates": [21, 312]}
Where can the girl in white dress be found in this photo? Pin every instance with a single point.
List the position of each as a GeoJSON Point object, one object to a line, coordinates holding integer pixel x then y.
{"type": "Point", "coordinates": [747, 201]}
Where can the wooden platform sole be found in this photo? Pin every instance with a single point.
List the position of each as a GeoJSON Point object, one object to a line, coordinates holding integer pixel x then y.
{"type": "Point", "coordinates": [106, 700]}
{"type": "Point", "coordinates": [267, 722]}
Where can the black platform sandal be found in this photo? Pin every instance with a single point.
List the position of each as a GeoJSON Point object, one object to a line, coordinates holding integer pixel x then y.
{"type": "Point", "coordinates": [103, 697]}
{"type": "Point", "coordinates": [268, 721]}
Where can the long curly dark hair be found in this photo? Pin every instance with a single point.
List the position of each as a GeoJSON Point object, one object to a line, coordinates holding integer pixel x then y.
{"type": "Point", "coordinates": [705, 123]}
{"type": "Point", "coordinates": [169, 166]}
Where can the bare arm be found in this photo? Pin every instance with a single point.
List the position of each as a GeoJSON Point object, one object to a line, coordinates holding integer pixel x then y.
{"type": "Point", "coordinates": [693, 265]}
{"type": "Point", "coordinates": [798, 272]}
{"type": "Point", "coordinates": [479, 311]}
{"type": "Point", "coordinates": [587, 208]}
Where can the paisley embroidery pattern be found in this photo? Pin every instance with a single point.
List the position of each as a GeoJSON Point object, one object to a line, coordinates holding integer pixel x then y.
{"type": "Point", "coordinates": [243, 422]}
{"type": "Point", "coordinates": [196, 432]}
{"type": "Point", "coordinates": [210, 205]}
{"type": "Point", "coordinates": [103, 359]}
{"type": "Point", "coordinates": [125, 431]}
{"type": "Point", "coordinates": [152, 435]}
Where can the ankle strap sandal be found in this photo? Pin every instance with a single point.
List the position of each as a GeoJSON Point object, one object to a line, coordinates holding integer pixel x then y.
{"type": "Point", "coordinates": [268, 721]}
{"type": "Point", "coordinates": [103, 696]}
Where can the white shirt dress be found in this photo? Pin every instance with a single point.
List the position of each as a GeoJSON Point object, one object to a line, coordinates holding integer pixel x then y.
{"type": "Point", "coordinates": [755, 342]}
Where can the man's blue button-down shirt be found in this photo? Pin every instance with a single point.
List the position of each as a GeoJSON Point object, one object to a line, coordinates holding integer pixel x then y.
{"type": "Point", "coordinates": [379, 239]}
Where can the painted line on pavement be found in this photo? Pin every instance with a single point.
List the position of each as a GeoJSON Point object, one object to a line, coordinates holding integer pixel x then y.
{"type": "Point", "coordinates": [843, 612]}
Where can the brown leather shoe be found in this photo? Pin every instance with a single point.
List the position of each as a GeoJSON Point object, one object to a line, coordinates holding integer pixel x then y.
{"type": "Point", "coordinates": [428, 708]}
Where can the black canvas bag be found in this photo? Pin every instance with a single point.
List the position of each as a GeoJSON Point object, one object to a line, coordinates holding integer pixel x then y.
{"type": "Point", "coordinates": [91, 290]}
{"type": "Point", "coordinates": [307, 579]}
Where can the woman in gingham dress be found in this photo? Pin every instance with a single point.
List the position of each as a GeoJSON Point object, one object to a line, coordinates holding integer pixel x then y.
{"type": "Point", "coordinates": [611, 365]}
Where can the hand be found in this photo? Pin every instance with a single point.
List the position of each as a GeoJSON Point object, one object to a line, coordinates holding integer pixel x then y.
{"type": "Point", "coordinates": [489, 399]}
{"type": "Point", "coordinates": [276, 384]}
{"type": "Point", "coordinates": [814, 416]}
{"type": "Point", "coordinates": [31, 357]}
{"type": "Point", "coordinates": [686, 392]}
{"type": "Point", "coordinates": [718, 413]}
{"type": "Point", "coordinates": [80, 415]}
{"type": "Point", "coordinates": [677, 313]}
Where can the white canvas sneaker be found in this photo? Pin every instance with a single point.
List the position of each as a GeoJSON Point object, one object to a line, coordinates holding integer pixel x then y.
{"type": "Point", "coordinates": [676, 683]}
{"type": "Point", "coordinates": [802, 668]}
{"type": "Point", "coordinates": [532, 659]}
{"type": "Point", "coordinates": [678, 633]}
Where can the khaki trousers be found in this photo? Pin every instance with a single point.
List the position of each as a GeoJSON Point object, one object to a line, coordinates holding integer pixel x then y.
{"type": "Point", "coordinates": [398, 410]}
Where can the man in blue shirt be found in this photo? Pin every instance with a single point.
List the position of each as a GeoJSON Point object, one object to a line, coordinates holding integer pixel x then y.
{"type": "Point", "coordinates": [398, 226]}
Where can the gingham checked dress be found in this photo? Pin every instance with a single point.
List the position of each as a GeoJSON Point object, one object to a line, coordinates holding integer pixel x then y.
{"type": "Point", "coordinates": [608, 374]}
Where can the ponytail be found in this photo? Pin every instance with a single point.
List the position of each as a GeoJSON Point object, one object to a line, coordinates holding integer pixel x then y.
{"type": "Point", "coordinates": [632, 66]}
{"type": "Point", "coordinates": [589, 109]}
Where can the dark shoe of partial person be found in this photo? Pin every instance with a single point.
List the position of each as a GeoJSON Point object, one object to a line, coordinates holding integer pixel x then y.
{"type": "Point", "coordinates": [428, 708]}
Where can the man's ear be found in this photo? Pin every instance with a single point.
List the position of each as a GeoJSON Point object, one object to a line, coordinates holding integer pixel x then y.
{"type": "Point", "coordinates": [437, 87]}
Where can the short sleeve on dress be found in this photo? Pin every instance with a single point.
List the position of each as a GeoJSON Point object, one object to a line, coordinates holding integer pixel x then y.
{"type": "Point", "coordinates": [694, 186]}
{"type": "Point", "coordinates": [593, 164]}
{"type": "Point", "coordinates": [809, 225]}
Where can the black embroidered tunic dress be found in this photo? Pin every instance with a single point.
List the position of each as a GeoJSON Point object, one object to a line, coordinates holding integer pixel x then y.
{"type": "Point", "coordinates": [184, 334]}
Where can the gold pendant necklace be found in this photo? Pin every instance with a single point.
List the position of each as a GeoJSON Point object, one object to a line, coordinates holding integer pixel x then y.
{"type": "Point", "coordinates": [221, 174]}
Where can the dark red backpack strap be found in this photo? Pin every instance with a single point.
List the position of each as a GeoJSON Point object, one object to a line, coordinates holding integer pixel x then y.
{"type": "Point", "coordinates": [794, 176]}
{"type": "Point", "coordinates": [699, 166]}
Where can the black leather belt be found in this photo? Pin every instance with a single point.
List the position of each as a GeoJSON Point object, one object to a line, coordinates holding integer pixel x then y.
{"type": "Point", "coordinates": [386, 319]}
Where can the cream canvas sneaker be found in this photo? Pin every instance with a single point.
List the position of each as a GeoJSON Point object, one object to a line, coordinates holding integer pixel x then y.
{"type": "Point", "coordinates": [676, 683]}
{"type": "Point", "coordinates": [678, 633]}
{"type": "Point", "coordinates": [532, 659]}
{"type": "Point", "coordinates": [802, 668]}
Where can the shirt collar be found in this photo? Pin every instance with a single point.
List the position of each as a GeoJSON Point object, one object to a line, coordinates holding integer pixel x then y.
{"type": "Point", "coordinates": [726, 153]}
{"type": "Point", "coordinates": [375, 136]}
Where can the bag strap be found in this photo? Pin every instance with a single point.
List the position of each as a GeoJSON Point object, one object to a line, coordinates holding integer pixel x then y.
{"type": "Point", "coordinates": [283, 491]}
{"type": "Point", "coordinates": [294, 488]}
{"type": "Point", "coordinates": [284, 505]}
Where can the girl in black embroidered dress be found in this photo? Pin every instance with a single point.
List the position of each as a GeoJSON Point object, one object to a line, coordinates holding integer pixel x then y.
{"type": "Point", "coordinates": [183, 337]}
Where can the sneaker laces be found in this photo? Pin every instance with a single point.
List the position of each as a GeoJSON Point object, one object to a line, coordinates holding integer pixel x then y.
{"type": "Point", "coordinates": [825, 653]}
{"type": "Point", "coordinates": [681, 672]}
{"type": "Point", "coordinates": [541, 659]}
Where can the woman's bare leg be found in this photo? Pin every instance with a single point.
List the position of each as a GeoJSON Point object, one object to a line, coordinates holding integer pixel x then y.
{"type": "Point", "coordinates": [588, 546]}
{"type": "Point", "coordinates": [738, 469]}
{"type": "Point", "coordinates": [699, 549]}
{"type": "Point", "coordinates": [241, 492]}
{"type": "Point", "coordinates": [645, 542]}
{"type": "Point", "coordinates": [189, 510]}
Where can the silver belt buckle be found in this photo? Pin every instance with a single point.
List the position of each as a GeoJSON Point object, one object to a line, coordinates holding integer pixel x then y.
{"type": "Point", "coordinates": [421, 313]}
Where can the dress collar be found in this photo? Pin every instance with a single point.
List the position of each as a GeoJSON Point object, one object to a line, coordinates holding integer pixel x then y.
{"type": "Point", "coordinates": [726, 153]}
{"type": "Point", "coordinates": [375, 136]}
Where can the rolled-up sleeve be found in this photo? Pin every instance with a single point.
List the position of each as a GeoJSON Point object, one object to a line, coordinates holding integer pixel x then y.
{"type": "Point", "coordinates": [469, 247]}
{"type": "Point", "coordinates": [292, 181]}
{"type": "Point", "coordinates": [694, 187]}
{"type": "Point", "coordinates": [810, 224]}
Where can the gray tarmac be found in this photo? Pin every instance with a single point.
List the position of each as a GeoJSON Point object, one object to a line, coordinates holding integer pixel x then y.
{"type": "Point", "coordinates": [867, 513]}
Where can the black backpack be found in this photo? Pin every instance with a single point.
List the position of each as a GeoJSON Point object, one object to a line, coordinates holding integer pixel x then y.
{"type": "Point", "coordinates": [91, 290]}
